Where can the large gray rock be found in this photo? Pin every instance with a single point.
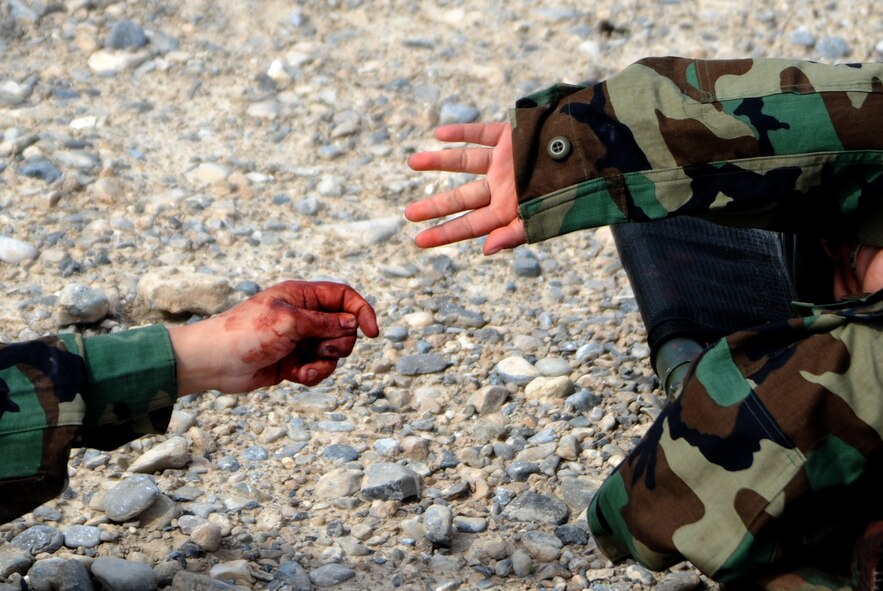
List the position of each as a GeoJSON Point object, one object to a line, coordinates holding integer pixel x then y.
{"type": "Point", "coordinates": [55, 574]}
{"type": "Point", "coordinates": [116, 574]}
{"type": "Point", "coordinates": [80, 304]}
{"type": "Point", "coordinates": [125, 34]}
{"type": "Point", "coordinates": [330, 575]}
{"type": "Point", "coordinates": [187, 581]}
{"type": "Point", "coordinates": [389, 481]}
{"type": "Point", "coordinates": [293, 575]}
{"type": "Point", "coordinates": [14, 560]}
{"type": "Point", "coordinates": [438, 522]}
{"type": "Point", "coordinates": [421, 364]}
{"type": "Point", "coordinates": [130, 497]}
{"type": "Point", "coordinates": [86, 536]}
{"type": "Point", "coordinates": [533, 507]}
{"type": "Point", "coordinates": [39, 538]}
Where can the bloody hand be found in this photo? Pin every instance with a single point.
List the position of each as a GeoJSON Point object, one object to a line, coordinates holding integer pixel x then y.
{"type": "Point", "coordinates": [294, 331]}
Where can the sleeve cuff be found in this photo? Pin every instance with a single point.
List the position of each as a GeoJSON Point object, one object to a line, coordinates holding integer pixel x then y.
{"type": "Point", "coordinates": [132, 379]}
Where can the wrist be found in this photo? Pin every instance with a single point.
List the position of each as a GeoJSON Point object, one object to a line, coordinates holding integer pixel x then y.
{"type": "Point", "coordinates": [193, 372]}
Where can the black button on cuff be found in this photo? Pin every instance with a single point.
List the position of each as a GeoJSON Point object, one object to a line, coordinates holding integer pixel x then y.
{"type": "Point", "coordinates": [558, 148]}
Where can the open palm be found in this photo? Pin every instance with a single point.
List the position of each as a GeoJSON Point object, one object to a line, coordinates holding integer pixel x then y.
{"type": "Point", "coordinates": [490, 204]}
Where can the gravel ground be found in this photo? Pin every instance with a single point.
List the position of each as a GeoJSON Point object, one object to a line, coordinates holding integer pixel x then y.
{"type": "Point", "coordinates": [210, 147]}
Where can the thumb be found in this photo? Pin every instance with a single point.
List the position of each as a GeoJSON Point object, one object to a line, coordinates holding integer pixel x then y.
{"type": "Point", "coordinates": [509, 236]}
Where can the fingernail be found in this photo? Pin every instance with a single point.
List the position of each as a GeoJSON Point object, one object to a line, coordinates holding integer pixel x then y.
{"type": "Point", "coordinates": [312, 374]}
{"type": "Point", "coordinates": [348, 321]}
{"type": "Point", "coordinates": [492, 251]}
{"type": "Point", "coordinates": [329, 351]}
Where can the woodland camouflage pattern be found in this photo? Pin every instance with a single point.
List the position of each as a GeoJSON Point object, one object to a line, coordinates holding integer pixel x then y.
{"type": "Point", "coordinates": [770, 426]}
{"type": "Point", "coordinates": [768, 458]}
{"type": "Point", "coordinates": [61, 392]}
{"type": "Point", "coordinates": [775, 144]}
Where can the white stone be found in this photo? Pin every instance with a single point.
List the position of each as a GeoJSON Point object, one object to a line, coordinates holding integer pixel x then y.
{"type": "Point", "coordinates": [553, 366]}
{"type": "Point", "coordinates": [542, 387]}
{"type": "Point", "coordinates": [367, 232]}
{"type": "Point", "coordinates": [278, 73]}
{"type": "Point", "coordinates": [12, 93]}
{"type": "Point", "coordinates": [107, 63]}
{"type": "Point", "coordinates": [418, 319]}
{"type": "Point", "coordinates": [209, 173]}
{"type": "Point", "coordinates": [171, 453]}
{"type": "Point", "coordinates": [87, 122]}
{"type": "Point", "coordinates": [330, 186]}
{"type": "Point", "coordinates": [517, 370]}
{"type": "Point", "coordinates": [16, 252]}
{"type": "Point", "coordinates": [268, 109]}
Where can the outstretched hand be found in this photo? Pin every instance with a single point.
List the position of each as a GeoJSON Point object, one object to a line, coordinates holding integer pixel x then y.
{"type": "Point", "coordinates": [294, 331]}
{"type": "Point", "coordinates": [491, 202]}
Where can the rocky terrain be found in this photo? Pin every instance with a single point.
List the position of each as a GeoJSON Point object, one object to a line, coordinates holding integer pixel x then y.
{"type": "Point", "coordinates": [208, 148]}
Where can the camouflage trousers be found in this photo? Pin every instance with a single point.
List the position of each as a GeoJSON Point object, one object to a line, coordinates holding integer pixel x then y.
{"type": "Point", "coordinates": [767, 460]}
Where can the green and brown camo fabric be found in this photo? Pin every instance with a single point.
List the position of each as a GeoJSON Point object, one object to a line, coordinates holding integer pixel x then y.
{"type": "Point", "coordinates": [60, 392]}
{"type": "Point", "coordinates": [773, 444]}
{"type": "Point", "coordinates": [769, 458]}
{"type": "Point", "coordinates": [775, 144]}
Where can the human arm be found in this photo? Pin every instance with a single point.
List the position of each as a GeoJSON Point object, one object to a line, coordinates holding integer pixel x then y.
{"type": "Point", "coordinates": [774, 144]}
{"type": "Point", "coordinates": [64, 391]}
{"type": "Point", "coordinates": [293, 331]}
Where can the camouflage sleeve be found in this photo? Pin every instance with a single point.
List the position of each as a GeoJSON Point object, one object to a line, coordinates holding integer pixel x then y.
{"type": "Point", "coordinates": [769, 457]}
{"type": "Point", "coordinates": [775, 144]}
{"type": "Point", "coordinates": [66, 391]}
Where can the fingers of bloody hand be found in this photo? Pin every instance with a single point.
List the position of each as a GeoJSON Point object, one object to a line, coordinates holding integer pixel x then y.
{"type": "Point", "coordinates": [326, 296]}
{"type": "Point", "coordinates": [310, 324]}
{"type": "Point", "coordinates": [336, 348]}
{"type": "Point", "coordinates": [294, 369]}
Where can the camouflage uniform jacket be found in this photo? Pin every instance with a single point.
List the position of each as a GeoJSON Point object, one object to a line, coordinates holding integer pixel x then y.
{"type": "Point", "coordinates": [775, 144]}
{"type": "Point", "coordinates": [66, 391]}
{"type": "Point", "coordinates": [775, 438]}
